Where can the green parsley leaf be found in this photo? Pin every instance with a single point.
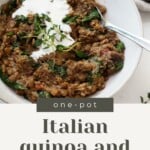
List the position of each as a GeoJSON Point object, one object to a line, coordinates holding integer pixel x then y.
{"type": "Point", "coordinates": [94, 14]}
{"type": "Point", "coordinates": [70, 19]}
{"type": "Point", "coordinates": [120, 46]}
{"type": "Point", "coordinates": [81, 54]}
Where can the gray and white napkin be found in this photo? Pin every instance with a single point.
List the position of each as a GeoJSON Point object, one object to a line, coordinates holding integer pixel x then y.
{"type": "Point", "coordinates": [143, 6]}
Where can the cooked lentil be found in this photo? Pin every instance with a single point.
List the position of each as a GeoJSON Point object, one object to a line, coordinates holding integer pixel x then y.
{"type": "Point", "coordinates": [78, 71]}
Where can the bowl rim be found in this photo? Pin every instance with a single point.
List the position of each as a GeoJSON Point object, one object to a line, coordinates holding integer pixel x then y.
{"type": "Point", "coordinates": [140, 53]}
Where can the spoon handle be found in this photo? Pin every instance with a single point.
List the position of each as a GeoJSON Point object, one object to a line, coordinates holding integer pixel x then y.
{"type": "Point", "coordinates": [139, 40]}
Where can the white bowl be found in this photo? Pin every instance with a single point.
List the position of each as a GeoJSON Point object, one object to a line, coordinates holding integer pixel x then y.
{"type": "Point", "coordinates": [125, 15]}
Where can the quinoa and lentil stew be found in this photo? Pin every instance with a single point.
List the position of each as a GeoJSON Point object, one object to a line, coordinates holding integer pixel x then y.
{"type": "Point", "coordinates": [78, 70]}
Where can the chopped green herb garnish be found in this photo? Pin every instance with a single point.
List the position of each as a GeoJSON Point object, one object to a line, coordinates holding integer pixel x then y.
{"type": "Point", "coordinates": [90, 78]}
{"type": "Point", "coordinates": [62, 71]}
{"type": "Point", "coordinates": [12, 5]}
{"type": "Point", "coordinates": [25, 53]}
{"type": "Point", "coordinates": [38, 43]}
{"type": "Point", "coordinates": [61, 48]}
{"type": "Point", "coordinates": [46, 17]}
{"type": "Point", "coordinates": [94, 14]}
{"type": "Point", "coordinates": [69, 48]}
{"type": "Point", "coordinates": [119, 65]}
{"type": "Point", "coordinates": [21, 19]}
{"type": "Point", "coordinates": [22, 1]}
{"type": "Point", "coordinates": [21, 36]}
{"type": "Point", "coordinates": [48, 37]}
{"type": "Point", "coordinates": [70, 19]}
{"type": "Point", "coordinates": [15, 44]}
{"type": "Point", "coordinates": [39, 24]}
{"type": "Point", "coordinates": [81, 54]}
{"type": "Point", "coordinates": [10, 33]}
{"type": "Point", "coordinates": [17, 86]}
{"type": "Point", "coordinates": [35, 65]}
{"type": "Point", "coordinates": [120, 46]}
{"type": "Point", "coordinates": [13, 85]}
{"type": "Point", "coordinates": [44, 94]}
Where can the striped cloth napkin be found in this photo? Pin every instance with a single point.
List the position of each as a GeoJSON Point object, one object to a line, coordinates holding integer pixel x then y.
{"type": "Point", "coordinates": [143, 6]}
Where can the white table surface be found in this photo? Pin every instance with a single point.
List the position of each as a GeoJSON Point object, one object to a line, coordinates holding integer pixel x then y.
{"type": "Point", "coordinates": [139, 83]}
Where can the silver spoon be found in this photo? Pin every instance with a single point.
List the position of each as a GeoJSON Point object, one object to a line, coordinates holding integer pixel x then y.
{"type": "Point", "coordinates": [139, 40]}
